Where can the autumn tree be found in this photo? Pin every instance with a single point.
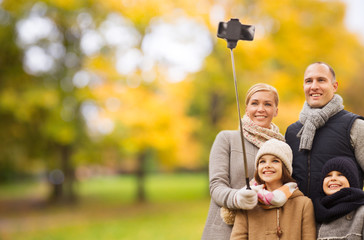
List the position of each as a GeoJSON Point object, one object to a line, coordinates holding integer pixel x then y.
{"type": "Point", "coordinates": [88, 90]}
{"type": "Point", "coordinates": [110, 81]}
{"type": "Point", "coordinates": [289, 35]}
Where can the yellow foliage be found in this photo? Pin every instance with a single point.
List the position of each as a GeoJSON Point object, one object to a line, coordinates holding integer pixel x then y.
{"type": "Point", "coordinates": [141, 10]}
{"type": "Point", "coordinates": [152, 119]}
{"type": "Point", "coordinates": [68, 4]}
{"type": "Point", "coordinates": [290, 34]}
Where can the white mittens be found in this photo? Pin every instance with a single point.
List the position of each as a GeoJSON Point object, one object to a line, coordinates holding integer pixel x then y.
{"type": "Point", "coordinates": [246, 198]}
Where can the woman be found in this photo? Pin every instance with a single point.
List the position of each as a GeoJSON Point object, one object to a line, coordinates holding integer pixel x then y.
{"type": "Point", "coordinates": [340, 209]}
{"type": "Point", "coordinates": [226, 166]}
{"type": "Point", "coordinates": [283, 211]}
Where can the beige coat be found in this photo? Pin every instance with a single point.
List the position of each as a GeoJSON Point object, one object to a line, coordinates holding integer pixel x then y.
{"type": "Point", "coordinates": [226, 175]}
{"type": "Point", "coordinates": [296, 221]}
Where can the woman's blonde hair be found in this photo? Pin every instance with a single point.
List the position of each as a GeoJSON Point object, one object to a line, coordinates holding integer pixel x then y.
{"type": "Point", "coordinates": [261, 87]}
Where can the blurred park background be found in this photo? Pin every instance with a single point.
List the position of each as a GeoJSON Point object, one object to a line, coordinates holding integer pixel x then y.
{"type": "Point", "coordinates": [108, 109]}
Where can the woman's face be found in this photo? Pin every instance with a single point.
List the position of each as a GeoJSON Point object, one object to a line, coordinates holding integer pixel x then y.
{"type": "Point", "coordinates": [270, 171]}
{"type": "Point", "coordinates": [261, 108]}
{"type": "Point", "coordinates": [334, 182]}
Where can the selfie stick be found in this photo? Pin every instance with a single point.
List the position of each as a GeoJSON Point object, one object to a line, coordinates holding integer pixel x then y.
{"type": "Point", "coordinates": [233, 31]}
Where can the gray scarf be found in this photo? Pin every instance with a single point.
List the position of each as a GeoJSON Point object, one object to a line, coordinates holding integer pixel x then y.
{"type": "Point", "coordinates": [314, 118]}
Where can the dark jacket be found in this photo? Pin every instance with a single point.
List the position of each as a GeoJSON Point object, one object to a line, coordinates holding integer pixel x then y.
{"type": "Point", "coordinates": [333, 139]}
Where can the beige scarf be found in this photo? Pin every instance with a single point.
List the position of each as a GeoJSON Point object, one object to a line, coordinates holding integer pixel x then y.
{"type": "Point", "coordinates": [258, 135]}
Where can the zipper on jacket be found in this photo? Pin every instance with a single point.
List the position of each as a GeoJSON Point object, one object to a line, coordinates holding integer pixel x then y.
{"type": "Point", "coordinates": [308, 172]}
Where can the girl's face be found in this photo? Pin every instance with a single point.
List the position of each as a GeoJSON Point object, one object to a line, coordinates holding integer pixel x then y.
{"type": "Point", "coordinates": [261, 108]}
{"type": "Point", "coordinates": [270, 171]}
{"type": "Point", "coordinates": [334, 181]}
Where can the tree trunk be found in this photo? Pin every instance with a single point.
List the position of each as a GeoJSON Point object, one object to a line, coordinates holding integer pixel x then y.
{"type": "Point", "coordinates": [215, 109]}
{"type": "Point", "coordinates": [63, 179]}
{"type": "Point", "coordinates": [140, 175]}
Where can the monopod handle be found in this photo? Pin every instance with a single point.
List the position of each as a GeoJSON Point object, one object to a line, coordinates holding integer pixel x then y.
{"type": "Point", "coordinates": [247, 183]}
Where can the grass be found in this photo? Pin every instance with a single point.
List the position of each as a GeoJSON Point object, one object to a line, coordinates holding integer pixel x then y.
{"type": "Point", "coordinates": [176, 209]}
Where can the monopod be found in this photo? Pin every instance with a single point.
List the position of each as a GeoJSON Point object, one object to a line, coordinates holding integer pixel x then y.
{"type": "Point", "coordinates": [233, 31]}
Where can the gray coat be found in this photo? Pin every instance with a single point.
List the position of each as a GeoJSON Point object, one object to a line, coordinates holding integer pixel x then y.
{"type": "Point", "coordinates": [350, 226]}
{"type": "Point", "coordinates": [226, 176]}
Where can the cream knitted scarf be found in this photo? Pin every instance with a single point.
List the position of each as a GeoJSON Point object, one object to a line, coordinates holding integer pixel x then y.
{"type": "Point", "coordinates": [314, 118]}
{"type": "Point", "coordinates": [258, 135]}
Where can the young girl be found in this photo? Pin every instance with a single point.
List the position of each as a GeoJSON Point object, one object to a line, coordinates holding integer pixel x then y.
{"type": "Point", "coordinates": [340, 209]}
{"type": "Point", "coordinates": [283, 212]}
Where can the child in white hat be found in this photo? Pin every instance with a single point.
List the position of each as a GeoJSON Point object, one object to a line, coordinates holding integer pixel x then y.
{"type": "Point", "coordinates": [282, 212]}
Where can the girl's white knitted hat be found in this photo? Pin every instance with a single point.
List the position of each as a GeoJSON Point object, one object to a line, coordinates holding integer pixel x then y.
{"type": "Point", "coordinates": [279, 149]}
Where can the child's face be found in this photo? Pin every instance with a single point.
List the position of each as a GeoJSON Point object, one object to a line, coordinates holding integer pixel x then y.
{"type": "Point", "coordinates": [270, 171]}
{"type": "Point", "coordinates": [334, 181]}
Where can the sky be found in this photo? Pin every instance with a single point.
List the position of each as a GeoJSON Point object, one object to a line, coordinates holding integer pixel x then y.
{"type": "Point", "coordinates": [355, 16]}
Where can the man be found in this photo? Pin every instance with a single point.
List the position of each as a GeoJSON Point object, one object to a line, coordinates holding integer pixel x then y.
{"type": "Point", "coordinates": [324, 130]}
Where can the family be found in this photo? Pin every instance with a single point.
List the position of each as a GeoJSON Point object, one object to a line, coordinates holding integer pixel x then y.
{"type": "Point", "coordinates": [307, 184]}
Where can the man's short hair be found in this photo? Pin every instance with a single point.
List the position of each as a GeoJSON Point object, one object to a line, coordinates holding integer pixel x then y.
{"type": "Point", "coordinates": [330, 68]}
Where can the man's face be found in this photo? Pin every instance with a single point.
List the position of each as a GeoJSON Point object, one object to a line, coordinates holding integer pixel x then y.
{"type": "Point", "coordinates": [318, 85]}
